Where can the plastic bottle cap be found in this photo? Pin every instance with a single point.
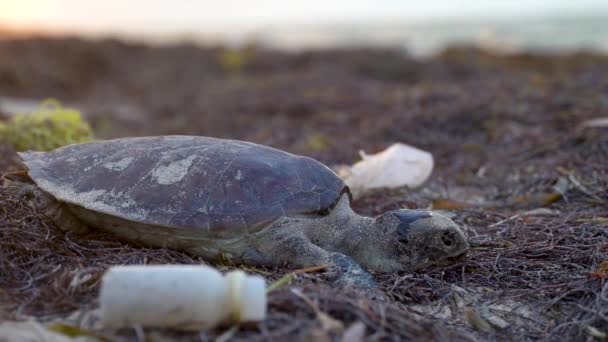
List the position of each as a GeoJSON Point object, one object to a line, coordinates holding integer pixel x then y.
{"type": "Point", "coordinates": [247, 296]}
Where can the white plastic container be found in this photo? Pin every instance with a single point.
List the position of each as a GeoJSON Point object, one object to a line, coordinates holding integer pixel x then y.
{"type": "Point", "coordinates": [397, 166]}
{"type": "Point", "coordinates": [183, 297]}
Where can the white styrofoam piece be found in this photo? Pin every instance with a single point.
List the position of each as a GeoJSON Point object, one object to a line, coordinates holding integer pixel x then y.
{"type": "Point", "coordinates": [397, 166]}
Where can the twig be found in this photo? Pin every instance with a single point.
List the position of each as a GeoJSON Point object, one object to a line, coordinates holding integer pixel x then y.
{"type": "Point", "coordinates": [534, 212]}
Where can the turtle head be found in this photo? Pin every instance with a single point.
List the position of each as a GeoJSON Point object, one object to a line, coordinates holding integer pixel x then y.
{"type": "Point", "coordinates": [414, 239]}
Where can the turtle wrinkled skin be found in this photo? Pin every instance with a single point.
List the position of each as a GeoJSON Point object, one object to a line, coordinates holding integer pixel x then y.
{"type": "Point", "coordinates": [214, 197]}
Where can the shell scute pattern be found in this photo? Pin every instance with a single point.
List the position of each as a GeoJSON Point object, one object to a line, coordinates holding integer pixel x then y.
{"type": "Point", "coordinates": [223, 186]}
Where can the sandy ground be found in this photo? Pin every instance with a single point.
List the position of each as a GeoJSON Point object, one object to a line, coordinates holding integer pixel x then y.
{"type": "Point", "coordinates": [514, 167]}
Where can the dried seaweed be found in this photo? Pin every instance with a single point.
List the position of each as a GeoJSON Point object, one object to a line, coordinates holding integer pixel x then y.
{"type": "Point", "coordinates": [504, 134]}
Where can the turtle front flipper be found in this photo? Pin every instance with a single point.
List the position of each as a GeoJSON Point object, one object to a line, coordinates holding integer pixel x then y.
{"type": "Point", "coordinates": [46, 204]}
{"type": "Point", "coordinates": [348, 273]}
{"type": "Point", "coordinates": [290, 246]}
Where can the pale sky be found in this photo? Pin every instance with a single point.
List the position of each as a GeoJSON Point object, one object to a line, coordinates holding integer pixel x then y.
{"type": "Point", "coordinates": [182, 16]}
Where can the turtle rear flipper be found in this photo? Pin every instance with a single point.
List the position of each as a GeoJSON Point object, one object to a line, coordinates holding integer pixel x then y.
{"type": "Point", "coordinates": [44, 203]}
{"type": "Point", "coordinates": [20, 176]}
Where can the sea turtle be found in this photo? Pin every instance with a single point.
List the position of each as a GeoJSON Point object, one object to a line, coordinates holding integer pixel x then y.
{"type": "Point", "coordinates": [250, 203]}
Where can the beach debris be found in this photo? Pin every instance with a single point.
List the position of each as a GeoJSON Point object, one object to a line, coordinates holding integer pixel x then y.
{"type": "Point", "coordinates": [287, 278]}
{"type": "Point", "coordinates": [34, 332]}
{"type": "Point", "coordinates": [234, 60]}
{"type": "Point", "coordinates": [533, 212]}
{"type": "Point", "coordinates": [593, 220]}
{"type": "Point", "coordinates": [354, 333]}
{"type": "Point", "coordinates": [74, 331]}
{"type": "Point", "coordinates": [450, 204]}
{"type": "Point", "coordinates": [183, 297]}
{"type": "Point", "coordinates": [526, 200]}
{"type": "Point", "coordinates": [481, 318]}
{"type": "Point", "coordinates": [317, 142]}
{"type": "Point", "coordinates": [397, 166]}
{"type": "Point", "coordinates": [475, 319]}
{"type": "Point", "coordinates": [594, 123]}
{"type": "Point", "coordinates": [577, 184]}
{"type": "Point", "coordinates": [328, 323]}
{"type": "Point", "coordinates": [494, 320]}
{"type": "Point", "coordinates": [595, 332]}
{"type": "Point", "coordinates": [601, 271]}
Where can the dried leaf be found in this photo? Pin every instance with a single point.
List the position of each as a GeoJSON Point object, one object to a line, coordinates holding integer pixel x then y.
{"type": "Point", "coordinates": [595, 332]}
{"type": "Point", "coordinates": [286, 279]}
{"type": "Point", "coordinates": [329, 323]}
{"type": "Point", "coordinates": [476, 321]}
{"type": "Point", "coordinates": [552, 197]}
{"type": "Point", "coordinates": [291, 275]}
{"type": "Point", "coordinates": [601, 271]}
{"type": "Point", "coordinates": [317, 142]}
{"type": "Point", "coordinates": [495, 320]}
{"type": "Point", "coordinates": [73, 331]}
{"type": "Point", "coordinates": [594, 123]}
{"type": "Point", "coordinates": [448, 204]}
{"type": "Point", "coordinates": [34, 331]}
{"type": "Point", "coordinates": [593, 220]}
{"type": "Point", "coordinates": [533, 212]}
{"type": "Point", "coordinates": [536, 199]}
{"type": "Point", "coordinates": [79, 279]}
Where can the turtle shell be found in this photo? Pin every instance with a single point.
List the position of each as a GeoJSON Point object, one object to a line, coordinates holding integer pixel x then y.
{"type": "Point", "coordinates": [223, 186]}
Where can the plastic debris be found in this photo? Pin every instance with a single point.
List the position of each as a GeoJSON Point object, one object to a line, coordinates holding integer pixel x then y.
{"type": "Point", "coordinates": [184, 297]}
{"type": "Point", "coordinates": [594, 123]}
{"type": "Point", "coordinates": [354, 333]}
{"type": "Point", "coordinates": [397, 166]}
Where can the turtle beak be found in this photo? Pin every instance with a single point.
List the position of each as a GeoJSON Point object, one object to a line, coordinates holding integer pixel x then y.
{"type": "Point", "coordinates": [432, 238]}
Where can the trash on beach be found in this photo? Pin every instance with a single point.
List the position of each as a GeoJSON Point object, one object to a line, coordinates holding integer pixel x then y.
{"type": "Point", "coordinates": [594, 123]}
{"type": "Point", "coordinates": [397, 166]}
{"type": "Point", "coordinates": [184, 297]}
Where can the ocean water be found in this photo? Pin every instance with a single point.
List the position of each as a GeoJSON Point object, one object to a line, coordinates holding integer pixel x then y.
{"type": "Point", "coordinates": [549, 34]}
{"type": "Point", "coordinates": [422, 27]}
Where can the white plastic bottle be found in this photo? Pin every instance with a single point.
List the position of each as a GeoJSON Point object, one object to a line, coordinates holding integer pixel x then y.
{"type": "Point", "coordinates": [184, 297]}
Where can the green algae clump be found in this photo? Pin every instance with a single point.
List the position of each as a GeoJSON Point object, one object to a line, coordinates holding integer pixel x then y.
{"type": "Point", "coordinates": [234, 60]}
{"type": "Point", "coordinates": [49, 127]}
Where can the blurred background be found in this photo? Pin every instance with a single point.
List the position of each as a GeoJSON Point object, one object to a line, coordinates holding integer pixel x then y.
{"type": "Point", "coordinates": [421, 26]}
{"type": "Point", "coordinates": [323, 78]}
{"type": "Point", "coordinates": [509, 96]}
